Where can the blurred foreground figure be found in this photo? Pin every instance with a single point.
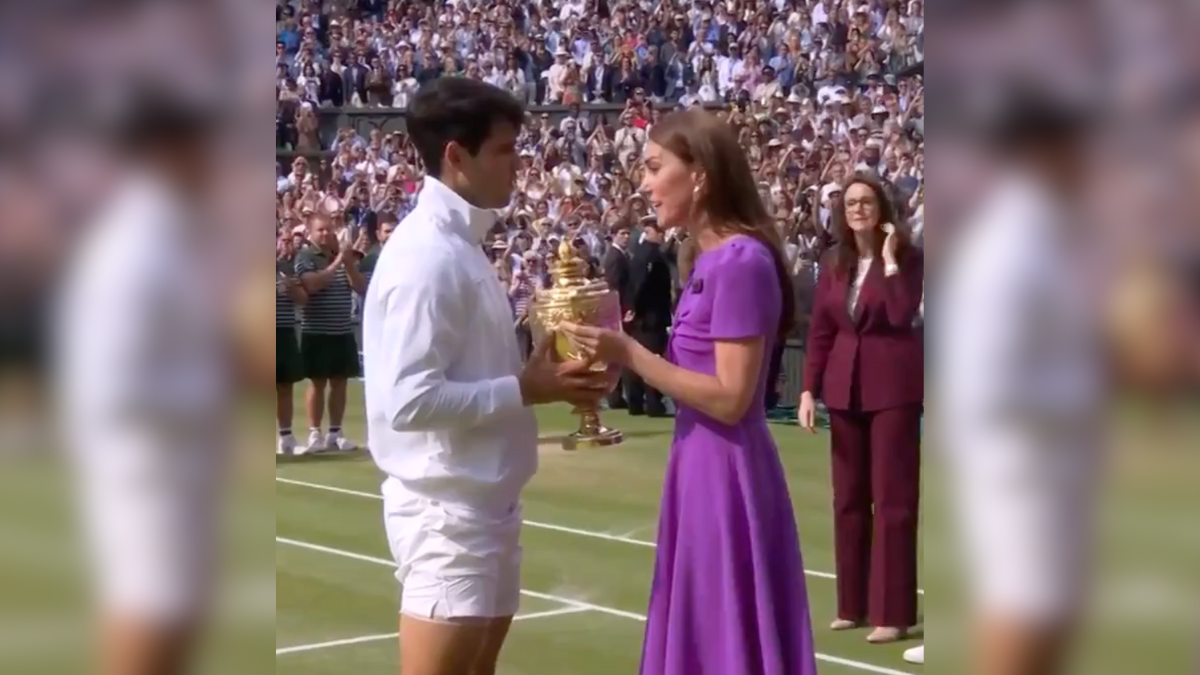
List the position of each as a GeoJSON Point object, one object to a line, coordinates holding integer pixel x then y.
{"type": "Point", "coordinates": [1021, 385]}
{"type": "Point", "coordinates": [143, 391]}
{"type": "Point", "coordinates": [915, 655]}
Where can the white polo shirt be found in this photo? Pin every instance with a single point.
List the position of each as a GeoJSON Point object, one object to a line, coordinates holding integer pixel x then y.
{"type": "Point", "coordinates": [445, 420]}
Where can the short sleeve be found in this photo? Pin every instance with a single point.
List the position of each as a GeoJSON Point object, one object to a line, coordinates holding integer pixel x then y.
{"type": "Point", "coordinates": [746, 295]}
{"type": "Point", "coordinates": [367, 264]}
{"type": "Point", "coordinates": [306, 262]}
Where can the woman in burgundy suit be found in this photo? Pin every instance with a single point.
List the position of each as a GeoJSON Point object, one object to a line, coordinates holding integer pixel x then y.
{"type": "Point", "coordinates": [865, 360]}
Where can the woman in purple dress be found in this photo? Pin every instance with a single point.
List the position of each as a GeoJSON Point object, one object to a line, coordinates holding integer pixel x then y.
{"type": "Point", "coordinates": [729, 595]}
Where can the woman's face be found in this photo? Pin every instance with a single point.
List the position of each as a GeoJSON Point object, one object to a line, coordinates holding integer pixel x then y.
{"type": "Point", "coordinates": [862, 207]}
{"type": "Point", "coordinates": [671, 185]}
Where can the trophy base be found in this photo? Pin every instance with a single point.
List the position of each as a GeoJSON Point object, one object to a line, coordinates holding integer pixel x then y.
{"type": "Point", "coordinates": [591, 433]}
{"type": "Point", "coordinates": [603, 439]}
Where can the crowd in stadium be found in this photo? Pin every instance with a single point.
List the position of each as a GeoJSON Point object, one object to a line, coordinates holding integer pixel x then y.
{"type": "Point", "coordinates": [816, 90]}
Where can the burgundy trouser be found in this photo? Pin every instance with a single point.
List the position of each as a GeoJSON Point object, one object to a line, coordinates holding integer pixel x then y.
{"type": "Point", "coordinates": [876, 506]}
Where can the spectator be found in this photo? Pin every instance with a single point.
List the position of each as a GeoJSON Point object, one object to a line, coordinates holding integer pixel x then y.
{"type": "Point", "coordinates": [328, 271]}
{"type": "Point", "coordinates": [815, 90]}
{"type": "Point", "coordinates": [865, 362]}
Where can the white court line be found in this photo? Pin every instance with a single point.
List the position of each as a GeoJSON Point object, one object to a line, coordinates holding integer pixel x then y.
{"type": "Point", "coordinates": [576, 603]}
{"type": "Point", "coordinates": [392, 636]}
{"type": "Point", "coordinates": [531, 523]}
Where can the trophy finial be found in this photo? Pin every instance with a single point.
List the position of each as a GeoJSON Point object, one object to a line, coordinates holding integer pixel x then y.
{"type": "Point", "coordinates": [566, 252]}
{"type": "Point", "coordinates": [570, 269]}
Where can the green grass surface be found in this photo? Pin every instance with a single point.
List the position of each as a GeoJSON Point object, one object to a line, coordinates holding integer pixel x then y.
{"type": "Point", "coordinates": [1144, 620]}
{"type": "Point", "coordinates": [333, 581]}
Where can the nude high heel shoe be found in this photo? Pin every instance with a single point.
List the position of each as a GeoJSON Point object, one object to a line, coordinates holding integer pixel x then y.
{"type": "Point", "coordinates": [886, 635]}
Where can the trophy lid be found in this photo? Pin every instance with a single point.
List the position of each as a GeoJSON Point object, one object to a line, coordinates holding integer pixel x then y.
{"type": "Point", "coordinates": [568, 277]}
{"type": "Point", "coordinates": [568, 265]}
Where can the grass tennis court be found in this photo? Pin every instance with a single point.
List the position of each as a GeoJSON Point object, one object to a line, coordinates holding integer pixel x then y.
{"type": "Point", "coordinates": [595, 561]}
{"type": "Point", "coordinates": [590, 522]}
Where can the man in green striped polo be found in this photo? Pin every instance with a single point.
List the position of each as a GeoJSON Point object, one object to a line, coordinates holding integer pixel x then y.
{"type": "Point", "coordinates": [289, 368]}
{"type": "Point", "coordinates": [329, 271]}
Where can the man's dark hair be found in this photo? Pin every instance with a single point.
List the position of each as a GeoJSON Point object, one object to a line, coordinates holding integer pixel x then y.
{"type": "Point", "coordinates": [149, 115]}
{"type": "Point", "coordinates": [460, 110]}
{"type": "Point", "coordinates": [388, 218]}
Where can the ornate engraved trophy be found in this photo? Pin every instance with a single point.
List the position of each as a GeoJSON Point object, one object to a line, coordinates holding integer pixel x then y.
{"type": "Point", "coordinates": [573, 297]}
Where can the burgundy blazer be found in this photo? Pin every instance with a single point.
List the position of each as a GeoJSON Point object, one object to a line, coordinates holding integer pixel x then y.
{"type": "Point", "coordinates": [879, 348]}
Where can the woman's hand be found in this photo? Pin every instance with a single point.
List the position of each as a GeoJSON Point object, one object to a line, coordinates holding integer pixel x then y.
{"type": "Point", "coordinates": [599, 344]}
{"type": "Point", "coordinates": [808, 413]}
{"type": "Point", "coordinates": [890, 244]}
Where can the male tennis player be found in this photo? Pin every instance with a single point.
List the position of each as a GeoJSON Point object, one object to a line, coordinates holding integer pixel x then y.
{"type": "Point", "coordinates": [448, 402]}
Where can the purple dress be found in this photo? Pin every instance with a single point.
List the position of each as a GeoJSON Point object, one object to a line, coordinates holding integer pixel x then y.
{"type": "Point", "coordinates": [729, 594]}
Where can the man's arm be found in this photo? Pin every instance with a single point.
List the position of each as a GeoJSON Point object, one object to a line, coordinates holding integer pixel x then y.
{"type": "Point", "coordinates": [313, 277]}
{"type": "Point", "coordinates": [616, 276]}
{"type": "Point", "coordinates": [425, 319]}
{"type": "Point", "coordinates": [358, 280]}
{"type": "Point", "coordinates": [611, 274]}
{"type": "Point", "coordinates": [295, 290]}
{"type": "Point", "coordinates": [638, 272]}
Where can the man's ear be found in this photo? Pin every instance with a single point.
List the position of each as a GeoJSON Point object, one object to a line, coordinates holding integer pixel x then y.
{"type": "Point", "coordinates": [454, 156]}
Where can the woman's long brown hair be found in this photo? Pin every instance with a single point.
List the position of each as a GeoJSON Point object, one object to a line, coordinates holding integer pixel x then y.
{"type": "Point", "coordinates": [845, 249]}
{"type": "Point", "coordinates": [730, 197]}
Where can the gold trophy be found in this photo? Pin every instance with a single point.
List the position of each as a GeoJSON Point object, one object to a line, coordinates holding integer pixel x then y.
{"type": "Point", "coordinates": [575, 298]}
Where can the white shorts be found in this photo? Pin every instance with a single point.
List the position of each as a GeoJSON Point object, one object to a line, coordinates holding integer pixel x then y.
{"type": "Point", "coordinates": [1025, 514]}
{"type": "Point", "coordinates": [149, 513]}
{"type": "Point", "coordinates": [454, 562]}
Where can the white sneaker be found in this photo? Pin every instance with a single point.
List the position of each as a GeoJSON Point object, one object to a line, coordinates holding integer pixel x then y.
{"type": "Point", "coordinates": [316, 443]}
{"type": "Point", "coordinates": [336, 441]}
{"type": "Point", "coordinates": [286, 446]}
{"type": "Point", "coordinates": [915, 655]}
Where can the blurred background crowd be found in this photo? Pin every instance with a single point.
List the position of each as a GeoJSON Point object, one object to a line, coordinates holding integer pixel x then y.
{"type": "Point", "coordinates": [816, 90]}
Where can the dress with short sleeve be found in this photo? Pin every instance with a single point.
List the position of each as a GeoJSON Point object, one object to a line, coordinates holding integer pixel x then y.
{"type": "Point", "coordinates": [729, 591]}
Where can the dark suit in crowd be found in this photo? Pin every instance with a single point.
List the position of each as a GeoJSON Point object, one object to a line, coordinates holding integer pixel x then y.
{"type": "Point", "coordinates": [651, 300]}
{"type": "Point", "coordinates": [616, 275]}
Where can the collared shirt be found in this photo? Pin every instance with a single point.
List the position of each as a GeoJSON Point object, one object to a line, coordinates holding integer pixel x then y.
{"type": "Point", "coordinates": [1016, 326]}
{"type": "Point", "coordinates": [329, 311]}
{"type": "Point", "coordinates": [864, 267]}
{"type": "Point", "coordinates": [445, 419]}
{"type": "Point", "coordinates": [139, 326]}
